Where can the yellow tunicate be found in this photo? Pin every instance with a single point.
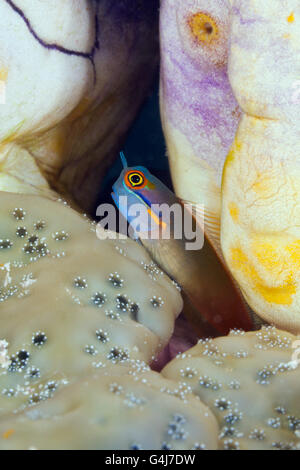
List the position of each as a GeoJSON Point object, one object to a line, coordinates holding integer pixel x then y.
{"type": "Point", "coordinates": [235, 149]}
{"type": "Point", "coordinates": [291, 18]}
{"type": "Point", "coordinates": [234, 212]}
{"type": "Point", "coordinates": [263, 185]}
{"type": "Point", "coordinates": [294, 250]}
{"type": "Point", "coordinates": [281, 295]}
{"type": "Point", "coordinates": [203, 27]}
{"type": "Point", "coordinates": [240, 262]}
{"type": "Point", "coordinates": [269, 256]}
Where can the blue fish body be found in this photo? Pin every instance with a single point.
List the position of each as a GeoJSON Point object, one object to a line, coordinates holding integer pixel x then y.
{"type": "Point", "coordinates": [202, 274]}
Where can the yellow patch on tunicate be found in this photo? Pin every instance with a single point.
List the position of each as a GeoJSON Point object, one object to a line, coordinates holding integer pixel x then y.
{"type": "Point", "coordinates": [235, 149]}
{"type": "Point", "coordinates": [294, 250]}
{"type": "Point", "coordinates": [277, 257]}
{"type": "Point", "coordinates": [267, 255]}
{"type": "Point", "coordinates": [291, 18]}
{"type": "Point", "coordinates": [234, 212]}
{"type": "Point", "coordinates": [240, 262]}
{"type": "Point", "coordinates": [7, 434]}
{"type": "Point", "coordinates": [282, 295]}
{"type": "Point", "coordinates": [3, 74]}
{"type": "Point", "coordinates": [263, 185]}
{"type": "Point", "coordinates": [203, 27]}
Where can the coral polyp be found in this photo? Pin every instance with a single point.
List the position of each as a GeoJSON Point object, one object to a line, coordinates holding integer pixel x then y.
{"type": "Point", "coordinates": [251, 383]}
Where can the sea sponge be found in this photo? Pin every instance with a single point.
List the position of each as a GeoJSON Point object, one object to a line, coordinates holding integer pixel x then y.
{"type": "Point", "coordinates": [251, 381]}
{"type": "Point", "coordinates": [114, 410]}
{"type": "Point", "coordinates": [72, 78]}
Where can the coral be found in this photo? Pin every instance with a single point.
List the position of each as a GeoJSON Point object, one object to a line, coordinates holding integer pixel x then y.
{"type": "Point", "coordinates": [251, 382]}
{"type": "Point", "coordinates": [72, 301]}
{"type": "Point", "coordinates": [81, 319]}
{"type": "Point", "coordinates": [114, 410]}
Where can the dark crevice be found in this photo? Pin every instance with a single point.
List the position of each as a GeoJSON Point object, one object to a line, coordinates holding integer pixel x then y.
{"type": "Point", "coordinates": [56, 47]}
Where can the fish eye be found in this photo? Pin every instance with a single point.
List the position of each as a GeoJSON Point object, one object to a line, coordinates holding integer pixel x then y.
{"type": "Point", "coordinates": [135, 179]}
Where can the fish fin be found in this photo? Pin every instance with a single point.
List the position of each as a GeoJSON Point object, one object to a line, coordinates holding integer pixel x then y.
{"type": "Point", "coordinates": [123, 160]}
{"type": "Point", "coordinates": [212, 224]}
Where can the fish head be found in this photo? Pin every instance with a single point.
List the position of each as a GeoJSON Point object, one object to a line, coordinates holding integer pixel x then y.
{"type": "Point", "coordinates": [139, 196]}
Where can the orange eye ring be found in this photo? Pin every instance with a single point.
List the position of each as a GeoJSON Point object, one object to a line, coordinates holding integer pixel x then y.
{"type": "Point", "coordinates": [135, 179]}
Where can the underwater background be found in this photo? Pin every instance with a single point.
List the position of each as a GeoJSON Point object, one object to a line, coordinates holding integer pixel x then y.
{"type": "Point", "coordinates": [145, 145]}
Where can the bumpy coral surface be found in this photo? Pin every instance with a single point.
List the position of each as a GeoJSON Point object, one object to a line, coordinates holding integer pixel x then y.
{"type": "Point", "coordinates": [114, 410]}
{"type": "Point", "coordinates": [80, 320]}
{"type": "Point", "coordinates": [56, 275]}
{"type": "Point", "coordinates": [251, 381]}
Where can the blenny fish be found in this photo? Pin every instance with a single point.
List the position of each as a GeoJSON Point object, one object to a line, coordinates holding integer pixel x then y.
{"type": "Point", "coordinates": [202, 273]}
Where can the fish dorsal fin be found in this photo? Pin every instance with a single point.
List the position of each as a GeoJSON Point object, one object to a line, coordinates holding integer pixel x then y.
{"type": "Point", "coordinates": [123, 160]}
{"type": "Point", "coordinates": [212, 224]}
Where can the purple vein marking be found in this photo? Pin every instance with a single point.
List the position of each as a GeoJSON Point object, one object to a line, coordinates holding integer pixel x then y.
{"type": "Point", "coordinates": [56, 47]}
